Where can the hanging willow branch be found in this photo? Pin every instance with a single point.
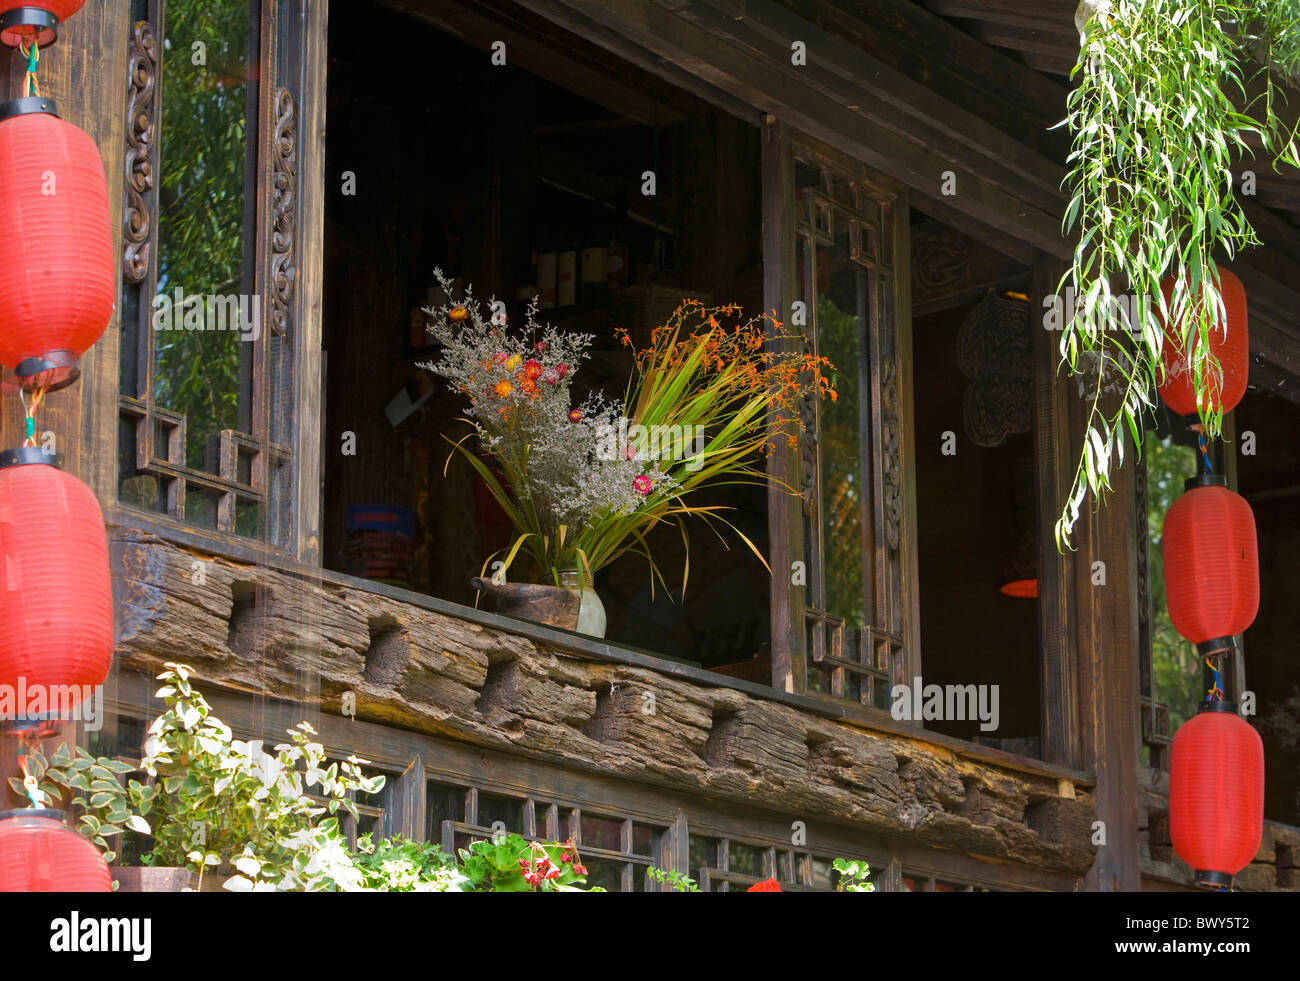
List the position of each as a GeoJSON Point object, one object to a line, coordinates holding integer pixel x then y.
{"type": "Point", "coordinates": [1159, 114]}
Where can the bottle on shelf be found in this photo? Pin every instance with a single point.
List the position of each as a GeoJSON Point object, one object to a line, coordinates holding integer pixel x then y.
{"type": "Point", "coordinates": [547, 270]}
{"type": "Point", "coordinates": [566, 286]}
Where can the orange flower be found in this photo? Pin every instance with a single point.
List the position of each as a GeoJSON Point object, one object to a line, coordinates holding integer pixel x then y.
{"type": "Point", "coordinates": [526, 384]}
{"type": "Point", "coordinates": [502, 388]}
{"type": "Point", "coordinates": [457, 314]}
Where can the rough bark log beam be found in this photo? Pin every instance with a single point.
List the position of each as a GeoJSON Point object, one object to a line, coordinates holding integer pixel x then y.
{"type": "Point", "coordinates": [254, 629]}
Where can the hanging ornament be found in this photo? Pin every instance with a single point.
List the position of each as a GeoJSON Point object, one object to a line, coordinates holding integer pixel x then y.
{"type": "Point", "coordinates": [23, 23]}
{"type": "Point", "coordinates": [39, 853]}
{"type": "Point", "coordinates": [57, 283]}
{"type": "Point", "coordinates": [1231, 349]}
{"type": "Point", "coordinates": [56, 605]}
{"type": "Point", "coordinates": [1211, 565]}
{"type": "Point", "coordinates": [1216, 793]}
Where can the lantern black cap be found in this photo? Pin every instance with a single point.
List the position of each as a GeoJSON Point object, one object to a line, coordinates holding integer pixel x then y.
{"type": "Point", "coordinates": [1213, 880]}
{"type": "Point", "coordinates": [32, 812]}
{"type": "Point", "coordinates": [1205, 480]}
{"type": "Point", "coordinates": [27, 105]}
{"type": "Point", "coordinates": [1219, 705]}
{"type": "Point", "coordinates": [1217, 646]}
{"type": "Point", "coordinates": [24, 455]}
{"type": "Point", "coordinates": [19, 25]}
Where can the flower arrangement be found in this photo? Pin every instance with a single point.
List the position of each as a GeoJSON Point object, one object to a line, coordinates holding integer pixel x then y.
{"type": "Point", "coordinates": [584, 483]}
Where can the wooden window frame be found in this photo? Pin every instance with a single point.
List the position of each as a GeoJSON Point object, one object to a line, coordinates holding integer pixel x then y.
{"type": "Point", "coordinates": [889, 646]}
{"type": "Point", "coordinates": [283, 418]}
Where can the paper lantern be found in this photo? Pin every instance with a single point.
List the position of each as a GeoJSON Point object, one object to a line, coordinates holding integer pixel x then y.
{"type": "Point", "coordinates": [1231, 349]}
{"type": "Point", "coordinates": [57, 270]}
{"type": "Point", "coordinates": [1211, 564]}
{"type": "Point", "coordinates": [1216, 793]}
{"type": "Point", "coordinates": [39, 853]}
{"type": "Point", "coordinates": [20, 22]}
{"type": "Point", "coordinates": [56, 604]}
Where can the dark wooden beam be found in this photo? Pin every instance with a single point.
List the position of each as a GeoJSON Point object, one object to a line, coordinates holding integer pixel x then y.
{"type": "Point", "coordinates": [835, 99]}
{"type": "Point", "coordinates": [1048, 15]}
{"type": "Point", "coordinates": [1058, 47]}
{"type": "Point", "coordinates": [982, 80]}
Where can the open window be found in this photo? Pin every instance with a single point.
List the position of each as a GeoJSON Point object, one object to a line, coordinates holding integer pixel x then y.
{"type": "Point", "coordinates": [562, 173]}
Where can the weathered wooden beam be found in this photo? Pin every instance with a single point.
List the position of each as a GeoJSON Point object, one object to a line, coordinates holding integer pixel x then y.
{"type": "Point", "coordinates": [266, 633]}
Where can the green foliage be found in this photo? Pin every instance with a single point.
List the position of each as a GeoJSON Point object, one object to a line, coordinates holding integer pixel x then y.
{"type": "Point", "coordinates": [678, 881]}
{"type": "Point", "coordinates": [511, 864]}
{"type": "Point", "coordinates": [219, 803]}
{"type": "Point", "coordinates": [1177, 679]}
{"type": "Point", "coordinates": [203, 211]}
{"type": "Point", "coordinates": [401, 865]}
{"type": "Point", "coordinates": [1169, 95]}
{"type": "Point", "coordinates": [854, 876]}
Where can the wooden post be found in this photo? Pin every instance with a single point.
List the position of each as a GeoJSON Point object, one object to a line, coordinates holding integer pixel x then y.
{"type": "Point", "coordinates": [1088, 615]}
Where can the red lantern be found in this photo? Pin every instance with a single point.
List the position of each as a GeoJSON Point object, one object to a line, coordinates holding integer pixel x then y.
{"type": "Point", "coordinates": [39, 853]}
{"type": "Point", "coordinates": [1231, 349]}
{"type": "Point", "coordinates": [20, 22]}
{"type": "Point", "coordinates": [56, 604]}
{"type": "Point", "coordinates": [1216, 793]}
{"type": "Point", "coordinates": [57, 281]}
{"type": "Point", "coordinates": [1211, 564]}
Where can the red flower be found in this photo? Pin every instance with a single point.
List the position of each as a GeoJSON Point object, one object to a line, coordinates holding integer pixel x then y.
{"type": "Point", "coordinates": [575, 415]}
{"type": "Point", "coordinates": [767, 885]}
{"type": "Point", "coordinates": [642, 485]}
{"type": "Point", "coordinates": [539, 347]}
{"type": "Point", "coordinates": [533, 368]}
{"type": "Point", "coordinates": [566, 858]}
{"type": "Point", "coordinates": [580, 869]}
{"type": "Point", "coordinates": [562, 369]}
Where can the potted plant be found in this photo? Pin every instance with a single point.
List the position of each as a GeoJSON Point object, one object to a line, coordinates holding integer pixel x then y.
{"type": "Point", "coordinates": [583, 484]}
{"type": "Point", "coordinates": [215, 806]}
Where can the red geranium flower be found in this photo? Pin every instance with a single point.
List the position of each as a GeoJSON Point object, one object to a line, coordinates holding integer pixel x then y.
{"type": "Point", "coordinates": [767, 885]}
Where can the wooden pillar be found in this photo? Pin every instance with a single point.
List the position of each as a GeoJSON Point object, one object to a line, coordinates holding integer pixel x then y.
{"type": "Point", "coordinates": [1088, 613]}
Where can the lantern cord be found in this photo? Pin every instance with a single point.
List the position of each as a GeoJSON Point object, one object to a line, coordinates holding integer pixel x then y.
{"type": "Point", "coordinates": [29, 412]}
{"type": "Point", "coordinates": [1204, 448]}
{"type": "Point", "coordinates": [33, 54]}
{"type": "Point", "coordinates": [1215, 694]}
{"type": "Point", "coordinates": [31, 786]}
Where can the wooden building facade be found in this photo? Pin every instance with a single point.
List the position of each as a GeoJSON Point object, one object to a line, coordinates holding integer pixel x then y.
{"type": "Point", "coordinates": [884, 172]}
